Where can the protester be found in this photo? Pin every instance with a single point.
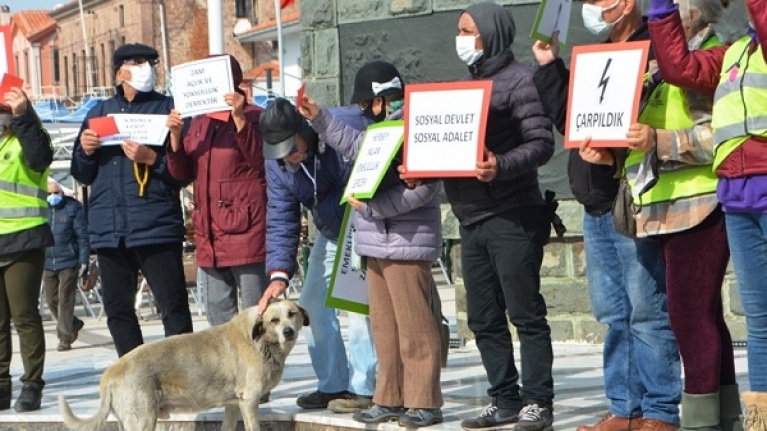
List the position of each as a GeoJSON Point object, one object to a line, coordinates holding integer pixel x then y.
{"type": "Point", "coordinates": [301, 171]}
{"type": "Point", "coordinates": [500, 210]}
{"type": "Point", "coordinates": [735, 75]}
{"type": "Point", "coordinates": [398, 233]}
{"type": "Point", "coordinates": [134, 217]}
{"type": "Point", "coordinates": [65, 262]}
{"type": "Point", "coordinates": [641, 360]}
{"type": "Point", "coordinates": [226, 161]}
{"type": "Point", "coordinates": [24, 235]}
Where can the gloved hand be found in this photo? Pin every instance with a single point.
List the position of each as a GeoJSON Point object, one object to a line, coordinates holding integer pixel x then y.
{"type": "Point", "coordinates": [83, 271]}
{"type": "Point", "coordinates": [660, 9]}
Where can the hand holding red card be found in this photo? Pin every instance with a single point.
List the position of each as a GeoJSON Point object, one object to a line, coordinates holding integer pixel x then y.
{"type": "Point", "coordinates": [300, 96]}
{"type": "Point", "coordinates": [103, 126]}
{"type": "Point", "coordinates": [7, 83]}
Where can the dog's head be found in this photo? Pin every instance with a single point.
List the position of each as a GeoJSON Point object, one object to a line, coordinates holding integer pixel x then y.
{"type": "Point", "coordinates": [280, 323]}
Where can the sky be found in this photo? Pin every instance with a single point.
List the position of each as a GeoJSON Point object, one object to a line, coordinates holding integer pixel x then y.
{"type": "Point", "coordinates": [17, 5]}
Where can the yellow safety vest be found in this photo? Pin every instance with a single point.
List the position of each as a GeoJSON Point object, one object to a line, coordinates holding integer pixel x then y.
{"type": "Point", "coordinates": [22, 190]}
{"type": "Point", "coordinates": [740, 101]}
{"type": "Point", "coordinates": [667, 109]}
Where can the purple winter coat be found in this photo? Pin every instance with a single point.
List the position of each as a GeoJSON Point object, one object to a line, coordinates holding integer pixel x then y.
{"type": "Point", "coordinates": [398, 223]}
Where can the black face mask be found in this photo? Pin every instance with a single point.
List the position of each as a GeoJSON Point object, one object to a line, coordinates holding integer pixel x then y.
{"type": "Point", "coordinates": [368, 112]}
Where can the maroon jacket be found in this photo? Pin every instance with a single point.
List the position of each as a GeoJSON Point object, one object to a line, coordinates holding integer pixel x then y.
{"type": "Point", "coordinates": [229, 214]}
{"type": "Point", "coordinates": [699, 71]}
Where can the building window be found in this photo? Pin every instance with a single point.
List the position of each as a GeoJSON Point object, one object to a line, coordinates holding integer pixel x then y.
{"type": "Point", "coordinates": [243, 8]}
{"type": "Point", "coordinates": [56, 71]}
{"type": "Point", "coordinates": [94, 67]}
{"type": "Point", "coordinates": [75, 91]}
{"type": "Point", "coordinates": [121, 15]}
{"type": "Point", "coordinates": [66, 75]}
{"type": "Point", "coordinates": [122, 40]}
{"type": "Point", "coordinates": [28, 75]}
{"type": "Point", "coordinates": [16, 64]}
{"type": "Point", "coordinates": [104, 72]}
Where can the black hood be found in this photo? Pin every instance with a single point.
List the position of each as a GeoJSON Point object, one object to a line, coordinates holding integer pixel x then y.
{"type": "Point", "coordinates": [495, 25]}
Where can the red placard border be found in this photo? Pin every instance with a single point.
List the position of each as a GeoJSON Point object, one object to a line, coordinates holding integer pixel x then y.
{"type": "Point", "coordinates": [644, 46]}
{"type": "Point", "coordinates": [485, 85]}
{"type": "Point", "coordinates": [6, 30]}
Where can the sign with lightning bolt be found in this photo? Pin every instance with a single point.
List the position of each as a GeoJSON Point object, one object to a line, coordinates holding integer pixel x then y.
{"type": "Point", "coordinates": [553, 15]}
{"type": "Point", "coordinates": [605, 91]}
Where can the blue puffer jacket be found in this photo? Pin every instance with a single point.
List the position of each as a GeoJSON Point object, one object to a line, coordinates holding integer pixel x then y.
{"type": "Point", "coordinates": [116, 211]}
{"type": "Point", "coordinates": [287, 191]}
{"type": "Point", "coordinates": [70, 236]}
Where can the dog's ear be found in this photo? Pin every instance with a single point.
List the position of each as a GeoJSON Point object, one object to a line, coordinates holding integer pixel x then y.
{"type": "Point", "coordinates": [258, 328]}
{"type": "Point", "coordinates": [304, 314]}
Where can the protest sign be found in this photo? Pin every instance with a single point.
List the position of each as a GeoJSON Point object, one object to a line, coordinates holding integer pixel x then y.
{"type": "Point", "coordinates": [105, 128]}
{"type": "Point", "coordinates": [143, 128]}
{"type": "Point", "coordinates": [553, 15]}
{"type": "Point", "coordinates": [348, 288]}
{"type": "Point", "coordinates": [445, 128]}
{"type": "Point", "coordinates": [378, 148]}
{"type": "Point", "coordinates": [6, 51]}
{"type": "Point", "coordinates": [200, 86]}
{"type": "Point", "coordinates": [8, 82]}
{"type": "Point", "coordinates": [605, 90]}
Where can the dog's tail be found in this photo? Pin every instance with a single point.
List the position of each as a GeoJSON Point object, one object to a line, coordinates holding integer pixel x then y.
{"type": "Point", "coordinates": [95, 423]}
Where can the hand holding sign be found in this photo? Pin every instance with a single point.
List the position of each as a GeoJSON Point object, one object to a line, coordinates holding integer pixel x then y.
{"type": "Point", "coordinates": [89, 140]}
{"type": "Point", "coordinates": [16, 100]}
{"type": "Point", "coordinates": [547, 52]}
{"type": "Point", "coordinates": [487, 169]}
{"type": "Point", "coordinates": [139, 153]}
{"type": "Point", "coordinates": [596, 156]}
{"type": "Point", "coordinates": [641, 137]}
{"type": "Point", "coordinates": [308, 108]}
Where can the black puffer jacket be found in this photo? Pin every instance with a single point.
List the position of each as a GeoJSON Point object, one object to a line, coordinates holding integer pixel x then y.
{"type": "Point", "coordinates": [518, 130]}
{"type": "Point", "coordinates": [594, 186]}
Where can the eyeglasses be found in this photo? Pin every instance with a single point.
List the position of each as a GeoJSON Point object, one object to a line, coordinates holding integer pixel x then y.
{"type": "Point", "coordinates": [140, 60]}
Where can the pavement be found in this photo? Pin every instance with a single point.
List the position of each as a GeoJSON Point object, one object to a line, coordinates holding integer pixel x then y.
{"type": "Point", "coordinates": [76, 374]}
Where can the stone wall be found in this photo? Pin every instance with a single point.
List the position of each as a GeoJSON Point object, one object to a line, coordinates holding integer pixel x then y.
{"type": "Point", "coordinates": [418, 37]}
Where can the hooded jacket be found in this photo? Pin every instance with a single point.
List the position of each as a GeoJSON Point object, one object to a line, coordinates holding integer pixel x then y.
{"type": "Point", "coordinates": [518, 129]}
{"type": "Point", "coordinates": [70, 236]}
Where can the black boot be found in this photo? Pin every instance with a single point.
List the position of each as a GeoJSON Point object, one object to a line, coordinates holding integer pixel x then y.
{"type": "Point", "coordinates": [5, 398]}
{"type": "Point", "coordinates": [29, 399]}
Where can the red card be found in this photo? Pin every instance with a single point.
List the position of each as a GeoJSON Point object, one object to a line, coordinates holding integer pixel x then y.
{"type": "Point", "coordinates": [9, 81]}
{"type": "Point", "coordinates": [103, 126]}
{"type": "Point", "coordinates": [300, 96]}
{"type": "Point", "coordinates": [220, 115]}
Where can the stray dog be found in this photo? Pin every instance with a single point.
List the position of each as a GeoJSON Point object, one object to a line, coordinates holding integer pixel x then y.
{"type": "Point", "coordinates": [229, 365]}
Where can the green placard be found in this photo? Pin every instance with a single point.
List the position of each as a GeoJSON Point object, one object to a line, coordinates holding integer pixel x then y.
{"type": "Point", "coordinates": [348, 286]}
{"type": "Point", "coordinates": [379, 146]}
{"type": "Point", "coordinates": [557, 11]}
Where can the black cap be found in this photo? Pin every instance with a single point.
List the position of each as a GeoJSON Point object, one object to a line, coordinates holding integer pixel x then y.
{"type": "Point", "coordinates": [133, 50]}
{"type": "Point", "coordinates": [376, 79]}
{"type": "Point", "coordinates": [278, 123]}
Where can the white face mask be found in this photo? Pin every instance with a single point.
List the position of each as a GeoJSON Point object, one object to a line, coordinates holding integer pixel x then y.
{"type": "Point", "coordinates": [465, 46]}
{"type": "Point", "coordinates": [5, 123]}
{"type": "Point", "coordinates": [142, 77]}
{"type": "Point", "coordinates": [593, 21]}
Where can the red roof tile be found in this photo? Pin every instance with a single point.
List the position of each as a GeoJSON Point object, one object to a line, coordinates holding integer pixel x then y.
{"type": "Point", "coordinates": [260, 71]}
{"type": "Point", "coordinates": [33, 23]}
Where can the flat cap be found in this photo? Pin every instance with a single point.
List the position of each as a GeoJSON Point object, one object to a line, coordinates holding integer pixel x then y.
{"type": "Point", "coordinates": [133, 50]}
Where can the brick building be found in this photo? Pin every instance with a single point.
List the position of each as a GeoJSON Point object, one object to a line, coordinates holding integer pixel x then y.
{"type": "Point", "coordinates": [33, 34]}
{"type": "Point", "coordinates": [111, 23]}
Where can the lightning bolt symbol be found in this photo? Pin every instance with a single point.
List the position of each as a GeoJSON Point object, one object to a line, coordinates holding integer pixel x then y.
{"type": "Point", "coordinates": [605, 79]}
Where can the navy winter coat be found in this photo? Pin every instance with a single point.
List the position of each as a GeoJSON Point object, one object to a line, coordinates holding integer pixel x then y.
{"type": "Point", "coordinates": [70, 236]}
{"type": "Point", "coordinates": [116, 211]}
{"type": "Point", "coordinates": [287, 191]}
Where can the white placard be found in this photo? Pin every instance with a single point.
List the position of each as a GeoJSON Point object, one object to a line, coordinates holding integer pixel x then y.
{"type": "Point", "coordinates": [445, 127]}
{"type": "Point", "coordinates": [143, 129]}
{"type": "Point", "coordinates": [348, 288]}
{"type": "Point", "coordinates": [378, 148]}
{"type": "Point", "coordinates": [199, 86]}
{"type": "Point", "coordinates": [5, 56]}
{"type": "Point", "coordinates": [605, 88]}
{"type": "Point", "coordinates": [553, 15]}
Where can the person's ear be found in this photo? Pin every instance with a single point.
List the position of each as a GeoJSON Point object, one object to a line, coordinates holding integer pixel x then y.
{"type": "Point", "coordinates": [378, 105]}
{"type": "Point", "coordinates": [630, 5]}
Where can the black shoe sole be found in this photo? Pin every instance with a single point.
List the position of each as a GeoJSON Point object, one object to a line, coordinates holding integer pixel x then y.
{"type": "Point", "coordinates": [378, 420]}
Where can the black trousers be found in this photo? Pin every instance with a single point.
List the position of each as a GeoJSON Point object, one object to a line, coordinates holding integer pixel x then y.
{"type": "Point", "coordinates": [501, 259]}
{"type": "Point", "coordinates": [163, 268]}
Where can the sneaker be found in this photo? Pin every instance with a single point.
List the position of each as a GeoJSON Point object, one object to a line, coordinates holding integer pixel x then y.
{"type": "Point", "coordinates": [319, 400]}
{"type": "Point", "coordinates": [28, 400]}
{"type": "Point", "coordinates": [378, 414]}
{"type": "Point", "coordinates": [535, 418]}
{"type": "Point", "coordinates": [414, 418]}
{"type": "Point", "coordinates": [64, 346]}
{"type": "Point", "coordinates": [76, 327]}
{"type": "Point", "coordinates": [352, 404]}
{"type": "Point", "coordinates": [491, 417]}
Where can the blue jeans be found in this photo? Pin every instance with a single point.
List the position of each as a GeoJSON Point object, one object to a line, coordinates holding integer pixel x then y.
{"type": "Point", "coordinates": [626, 281]}
{"type": "Point", "coordinates": [747, 235]}
{"type": "Point", "coordinates": [335, 373]}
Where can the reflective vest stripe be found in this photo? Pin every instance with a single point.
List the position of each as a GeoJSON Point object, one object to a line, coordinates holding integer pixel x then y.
{"type": "Point", "coordinates": [23, 212]}
{"type": "Point", "coordinates": [22, 190]}
{"type": "Point", "coordinates": [754, 80]}
{"type": "Point", "coordinates": [725, 133]}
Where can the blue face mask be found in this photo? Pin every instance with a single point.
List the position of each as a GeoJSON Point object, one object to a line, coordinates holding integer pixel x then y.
{"type": "Point", "coordinates": [54, 199]}
{"type": "Point", "coordinates": [396, 105]}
